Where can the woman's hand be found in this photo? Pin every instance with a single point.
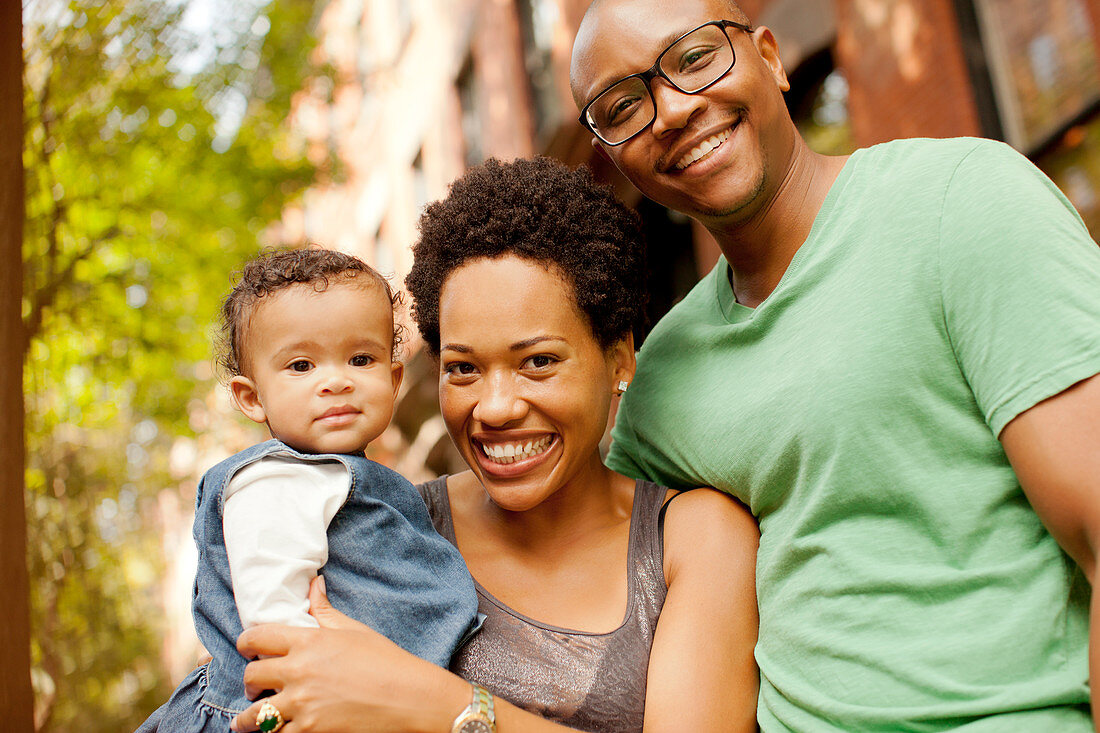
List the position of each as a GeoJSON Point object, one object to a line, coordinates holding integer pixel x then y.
{"type": "Point", "coordinates": [344, 677]}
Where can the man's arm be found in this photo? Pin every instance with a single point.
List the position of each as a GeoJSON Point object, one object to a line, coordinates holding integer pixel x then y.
{"type": "Point", "coordinates": [1054, 447]}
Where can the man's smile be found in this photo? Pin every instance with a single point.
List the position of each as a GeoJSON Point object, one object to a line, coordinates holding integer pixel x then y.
{"type": "Point", "coordinates": [704, 149]}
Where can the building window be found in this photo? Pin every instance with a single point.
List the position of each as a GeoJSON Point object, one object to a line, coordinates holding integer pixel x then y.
{"type": "Point", "coordinates": [420, 183]}
{"type": "Point", "coordinates": [1042, 58]}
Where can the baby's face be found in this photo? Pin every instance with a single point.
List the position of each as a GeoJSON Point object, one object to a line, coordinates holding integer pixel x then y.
{"type": "Point", "coordinates": [320, 368]}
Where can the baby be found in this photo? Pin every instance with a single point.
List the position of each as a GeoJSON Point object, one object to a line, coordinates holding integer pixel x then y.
{"type": "Point", "coordinates": [309, 346]}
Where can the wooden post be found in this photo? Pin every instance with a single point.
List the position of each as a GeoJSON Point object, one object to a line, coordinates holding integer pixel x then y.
{"type": "Point", "coordinates": [16, 698]}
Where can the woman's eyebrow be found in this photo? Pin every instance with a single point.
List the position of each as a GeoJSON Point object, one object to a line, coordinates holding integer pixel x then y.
{"type": "Point", "coordinates": [517, 346]}
{"type": "Point", "coordinates": [533, 341]}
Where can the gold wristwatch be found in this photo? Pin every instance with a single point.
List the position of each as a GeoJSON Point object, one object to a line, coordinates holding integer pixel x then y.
{"type": "Point", "coordinates": [478, 716]}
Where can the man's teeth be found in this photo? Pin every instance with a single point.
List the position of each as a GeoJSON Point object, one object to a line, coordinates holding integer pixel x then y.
{"type": "Point", "coordinates": [512, 452]}
{"type": "Point", "coordinates": [702, 149]}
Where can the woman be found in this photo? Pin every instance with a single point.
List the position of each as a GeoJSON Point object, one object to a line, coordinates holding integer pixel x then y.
{"type": "Point", "coordinates": [526, 287]}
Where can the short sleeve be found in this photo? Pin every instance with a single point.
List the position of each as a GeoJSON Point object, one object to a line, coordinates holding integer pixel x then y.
{"type": "Point", "coordinates": [635, 455]}
{"type": "Point", "coordinates": [1020, 283]}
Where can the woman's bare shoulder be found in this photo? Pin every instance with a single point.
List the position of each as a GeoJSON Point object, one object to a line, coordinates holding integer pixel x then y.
{"type": "Point", "coordinates": [704, 524]}
{"type": "Point", "coordinates": [709, 506]}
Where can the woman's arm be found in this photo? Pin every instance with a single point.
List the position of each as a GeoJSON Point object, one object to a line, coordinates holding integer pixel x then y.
{"type": "Point", "coordinates": [702, 673]}
{"type": "Point", "coordinates": [347, 678]}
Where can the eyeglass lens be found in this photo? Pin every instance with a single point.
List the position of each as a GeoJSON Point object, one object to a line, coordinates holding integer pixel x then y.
{"type": "Point", "coordinates": [695, 61]}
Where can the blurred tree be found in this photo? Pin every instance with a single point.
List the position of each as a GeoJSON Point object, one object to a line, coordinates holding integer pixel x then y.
{"type": "Point", "coordinates": [156, 158]}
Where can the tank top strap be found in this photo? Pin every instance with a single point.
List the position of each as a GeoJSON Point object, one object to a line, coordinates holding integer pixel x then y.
{"type": "Point", "coordinates": [647, 583]}
{"type": "Point", "coordinates": [434, 494]}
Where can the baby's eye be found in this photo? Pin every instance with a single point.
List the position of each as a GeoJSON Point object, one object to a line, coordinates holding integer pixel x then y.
{"type": "Point", "coordinates": [539, 361]}
{"type": "Point", "coordinates": [361, 360]}
{"type": "Point", "coordinates": [300, 366]}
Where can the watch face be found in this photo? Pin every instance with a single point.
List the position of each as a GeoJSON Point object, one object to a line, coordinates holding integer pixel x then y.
{"type": "Point", "coordinates": [476, 726]}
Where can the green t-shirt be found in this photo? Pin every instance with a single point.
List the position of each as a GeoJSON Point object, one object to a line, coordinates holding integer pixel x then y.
{"type": "Point", "coordinates": [904, 582]}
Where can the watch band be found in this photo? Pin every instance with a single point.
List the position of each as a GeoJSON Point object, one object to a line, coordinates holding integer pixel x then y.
{"type": "Point", "coordinates": [478, 716]}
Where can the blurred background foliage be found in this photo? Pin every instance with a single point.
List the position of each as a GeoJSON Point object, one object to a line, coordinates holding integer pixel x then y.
{"type": "Point", "coordinates": [156, 157]}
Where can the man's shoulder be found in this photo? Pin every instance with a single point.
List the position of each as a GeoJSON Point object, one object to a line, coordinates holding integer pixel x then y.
{"type": "Point", "coordinates": [934, 154]}
{"type": "Point", "coordinates": [943, 147]}
{"type": "Point", "coordinates": [902, 181]}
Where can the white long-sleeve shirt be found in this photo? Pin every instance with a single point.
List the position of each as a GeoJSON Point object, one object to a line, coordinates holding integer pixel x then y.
{"type": "Point", "coordinates": [275, 521]}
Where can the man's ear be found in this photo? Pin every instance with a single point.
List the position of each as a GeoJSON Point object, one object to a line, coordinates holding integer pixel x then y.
{"type": "Point", "coordinates": [601, 150]}
{"type": "Point", "coordinates": [243, 392]}
{"type": "Point", "coordinates": [397, 372]}
{"type": "Point", "coordinates": [768, 48]}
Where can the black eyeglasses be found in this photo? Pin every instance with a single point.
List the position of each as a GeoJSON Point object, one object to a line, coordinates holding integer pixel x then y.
{"type": "Point", "coordinates": [691, 63]}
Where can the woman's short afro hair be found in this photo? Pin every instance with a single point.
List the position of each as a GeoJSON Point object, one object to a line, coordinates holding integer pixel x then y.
{"type": "Point", "coordinates": [539, 210]}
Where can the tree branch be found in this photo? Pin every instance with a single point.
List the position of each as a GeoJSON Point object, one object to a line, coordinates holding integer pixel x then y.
{"type": "Point", "coordinates": [45, 296]}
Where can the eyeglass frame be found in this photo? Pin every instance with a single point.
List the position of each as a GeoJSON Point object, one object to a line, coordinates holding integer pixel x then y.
{"type": "Point", "coordinates": [655, 70]}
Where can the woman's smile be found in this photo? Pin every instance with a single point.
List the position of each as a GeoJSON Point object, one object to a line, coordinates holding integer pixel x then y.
{"type": "Point", "coordinates": [514, 452]}
{"type": "Point", "coordinates": [511, 459]}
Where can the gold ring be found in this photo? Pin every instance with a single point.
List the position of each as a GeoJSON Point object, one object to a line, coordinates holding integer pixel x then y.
{"type": "Point", "coordinates": [269, 718]}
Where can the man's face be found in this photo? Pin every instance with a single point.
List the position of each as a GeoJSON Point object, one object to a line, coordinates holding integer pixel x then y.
{"type": "Point", "coordinates": [717, 155]}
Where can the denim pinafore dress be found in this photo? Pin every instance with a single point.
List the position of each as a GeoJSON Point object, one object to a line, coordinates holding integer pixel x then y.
{"type": "Point", "coordinates": [387, 567]}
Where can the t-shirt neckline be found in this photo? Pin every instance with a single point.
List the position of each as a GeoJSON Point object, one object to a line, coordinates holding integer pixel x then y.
{"type": "Point", "coordinates": [735, 312]}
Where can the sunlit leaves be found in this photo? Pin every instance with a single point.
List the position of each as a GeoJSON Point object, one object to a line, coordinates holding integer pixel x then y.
{"type": "Point", "coordinates": [134, 224]}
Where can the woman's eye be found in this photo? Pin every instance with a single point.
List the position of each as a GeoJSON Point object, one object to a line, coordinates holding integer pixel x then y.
{"type": "Point", "coordinates": [459, 368]}
{"type": "Point", "coordinates": [361, 360]}
{"type": "Point", "coordinates": [539, 361]}
{"type": "Point", "coordinates": [300, 366]}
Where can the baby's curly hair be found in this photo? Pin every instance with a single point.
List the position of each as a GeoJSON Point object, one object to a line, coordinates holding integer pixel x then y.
{"type": "Point", "coordinates": [539, 210]}
{"type": "Point", "coordinates": [276, 270]}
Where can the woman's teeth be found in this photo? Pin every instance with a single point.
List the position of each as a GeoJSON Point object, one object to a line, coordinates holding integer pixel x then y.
{"type": "Point", "coordinates": [703, 148]}
{"type": "Point", "coordinates": [512, 452]}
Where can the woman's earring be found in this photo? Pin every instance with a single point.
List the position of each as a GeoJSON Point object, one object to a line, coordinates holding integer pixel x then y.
{"type": "Point", "coordinates": [622, 385]}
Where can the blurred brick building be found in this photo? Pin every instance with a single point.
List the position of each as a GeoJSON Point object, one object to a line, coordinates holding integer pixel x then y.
{"type": "Point", "coordinates": [418, 90]}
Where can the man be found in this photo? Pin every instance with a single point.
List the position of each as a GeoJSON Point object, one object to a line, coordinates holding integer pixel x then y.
{"type": "Point", "coordinates": [894, 365]}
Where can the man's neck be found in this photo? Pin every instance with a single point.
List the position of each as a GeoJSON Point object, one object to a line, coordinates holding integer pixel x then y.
{"type": "Point", "coordinates": [760, 248]}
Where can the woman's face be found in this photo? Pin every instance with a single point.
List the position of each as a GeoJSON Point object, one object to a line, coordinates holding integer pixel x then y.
{"type": "Point", "coordinates": [524, 387]}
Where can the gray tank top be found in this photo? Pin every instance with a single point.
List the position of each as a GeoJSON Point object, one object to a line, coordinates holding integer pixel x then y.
{"type": "Point", "coordinates": [586, 681]}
